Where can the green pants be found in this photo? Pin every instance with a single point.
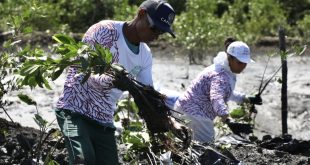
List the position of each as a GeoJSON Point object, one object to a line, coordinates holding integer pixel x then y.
{"type": "Point", "coordinates": [87, 141]}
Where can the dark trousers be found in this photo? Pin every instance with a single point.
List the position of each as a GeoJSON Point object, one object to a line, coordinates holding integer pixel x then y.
{"type": "Point", "coordinates": [87, 141]}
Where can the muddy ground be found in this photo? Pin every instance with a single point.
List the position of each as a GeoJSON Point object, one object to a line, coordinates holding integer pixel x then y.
{"type": "Point", "coordinates": [20, 145]}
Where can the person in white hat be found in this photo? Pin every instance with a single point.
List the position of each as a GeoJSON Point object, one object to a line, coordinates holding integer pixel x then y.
{"type": "Point", "coordinates": [209, 92]}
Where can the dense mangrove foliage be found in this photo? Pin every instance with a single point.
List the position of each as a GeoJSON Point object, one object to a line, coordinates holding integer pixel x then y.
{"type": "Point", "coordinates": [199, 24]}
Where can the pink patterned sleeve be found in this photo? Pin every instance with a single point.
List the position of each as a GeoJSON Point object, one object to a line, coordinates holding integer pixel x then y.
{"type": "Point", "coordinates": [105, 34]}
{"type": "Point", "coordinates": [219, 92]}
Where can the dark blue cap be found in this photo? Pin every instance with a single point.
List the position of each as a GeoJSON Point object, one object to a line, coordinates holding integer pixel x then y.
{"type": "Point", "coordinates": [161, 13]}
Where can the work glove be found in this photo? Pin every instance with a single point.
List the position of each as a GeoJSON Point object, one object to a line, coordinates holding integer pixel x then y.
{"type": "Point", "coordinates": [121, 80]}
{"type": "Point", "coordinates": [238, 128]}
{"type": "Point", "coordinates": [255, 99]}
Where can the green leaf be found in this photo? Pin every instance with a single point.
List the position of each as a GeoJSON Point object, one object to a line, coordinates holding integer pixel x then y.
{"type": "Point", "coordinates": [134, 140]}
{"type": "Point", "coordinates": [39, 79]}
{"type": "Point", "coordinates": [108, 56]}
{"type": "Point", "coordinates": [29, 70]}
{"type": "Point", "coordinates": [24, 51]}
{"type": "Point", "coordinates": [26, 14]}
{"type": "Point", "coordinates": [38, 52]}
{"type": "Point", "coordinates": [136, 126]}
{"type": "Point", "coordinates": [46, 84]}
{"type": "Point", "coordinates": [56, 74]}
{"type": "Point", "coordinates": [27, 80]}
{"type": "Point", "coordinates": [52, 162]}
{"type": "Point", "coordinates": [134, 107]}
{"type": "Point", "coordinates": [32, 81]}
{"type": "Point", "coordinates": [27, 30]}
{"type": "Point", "coordinates": [72, 47]}
{"type": "Point", "coordinates": [61, 49]}
{"type": "Point", "coordinates": [82, 49]}
{"type": "Point", "coordinates": [63, 39]}
{"type": "Point", "coordinates": [16, 21]}
{"type": "Point", "coordinates": [116, 118]}
{"type": "Point", "coordinates": [99, 49]}
{"type": "Point", "coordinates": [137, 140]}
{"type": "Point", "coordinates": [26, 99]}
{"type": "Point", "coordinates": [122, 103]}
{"type": "Point", "coordinates": [40, 121]}
{"type": "Point", "coordinates": [71, 53]}
{"type": "Point", "coordinates": [7, 44]}
{"type": "Point", "coordinates": [237, 113]}
{"type": "Point", "coordinates": [64, 62]}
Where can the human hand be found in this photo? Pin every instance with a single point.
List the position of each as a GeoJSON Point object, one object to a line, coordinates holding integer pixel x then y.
{"type": "Point", "coordinates": [255, 99]}
{"type": "Point", "coordinates": [181, 131]}
{"type": "Point", "coordinates": [225, 118]}
{"type": "Point", "coordinates": [121, 80]}
{"type": "Point", "coordinates": [239, 128]}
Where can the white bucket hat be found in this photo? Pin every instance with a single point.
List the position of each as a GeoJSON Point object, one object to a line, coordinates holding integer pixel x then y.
{"type": "Point", "coordinates": [240, 50]}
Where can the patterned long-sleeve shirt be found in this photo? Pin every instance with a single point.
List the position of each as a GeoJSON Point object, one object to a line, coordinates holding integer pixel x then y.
{"type": "Point", "coordinates": [96, 98]}
{"type": "Point", "coordinates": [210, 91]}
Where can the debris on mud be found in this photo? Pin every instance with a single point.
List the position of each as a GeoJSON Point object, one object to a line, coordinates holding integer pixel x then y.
{"type": "Point", "coordinates": [17, 146]}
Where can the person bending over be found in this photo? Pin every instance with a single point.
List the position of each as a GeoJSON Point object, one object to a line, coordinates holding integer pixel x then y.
{"type": "Point", "coordinates": [209, 92]}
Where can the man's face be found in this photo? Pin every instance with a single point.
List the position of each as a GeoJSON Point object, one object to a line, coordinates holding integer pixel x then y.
{"type": "Point", "coordinates": [152, 26]}
{"type": "Point", "coordinates": [147, 30]}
